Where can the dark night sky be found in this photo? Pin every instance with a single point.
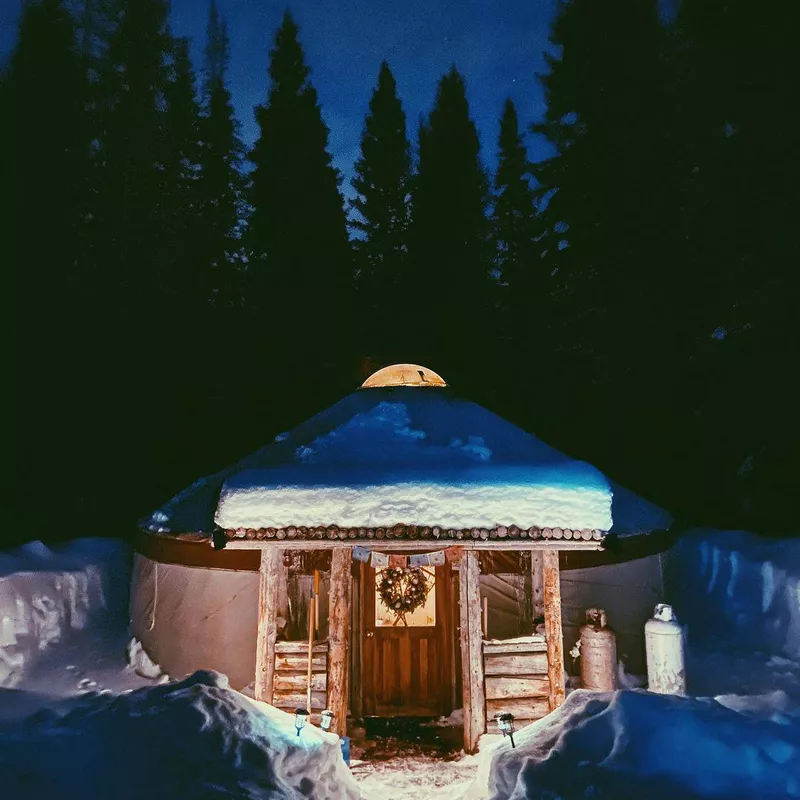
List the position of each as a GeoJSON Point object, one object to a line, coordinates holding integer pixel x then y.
{"type": "Point", "coordinates": [497, 46]}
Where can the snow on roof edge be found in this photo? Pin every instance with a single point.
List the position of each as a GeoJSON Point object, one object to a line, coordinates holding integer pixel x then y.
{"type": "Point", "coordinates": [194, 508]}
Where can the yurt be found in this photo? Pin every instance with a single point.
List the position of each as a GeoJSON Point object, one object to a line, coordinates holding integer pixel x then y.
{"type": "Point", "coordinates": [403, 552]}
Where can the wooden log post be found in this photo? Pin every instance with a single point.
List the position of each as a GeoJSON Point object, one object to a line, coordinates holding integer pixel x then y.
{"type": "Point", "coordinates": [270, 579]}
{"type": "Point", "coordinates": [552, 626]}
{"type": "Point", "coordinates": [355, 692]}
{"type": "Point", "coordinates": [474, 693]}
{"type": "Point", "coordinates": [339, 637]}
{"type": "Point", "coordinates": [537, 584]}
{"type": "Point", "coordinates": [313, 603]}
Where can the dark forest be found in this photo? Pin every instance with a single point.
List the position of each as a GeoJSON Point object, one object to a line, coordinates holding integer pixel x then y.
{"type": "Point", "coordinates": [180, 299]}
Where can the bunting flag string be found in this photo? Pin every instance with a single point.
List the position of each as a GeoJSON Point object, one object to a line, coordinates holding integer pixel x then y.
{"type": "Point", "coordinates": [361, 553]}
{"type": "Point", "coordinates": [378, 560]}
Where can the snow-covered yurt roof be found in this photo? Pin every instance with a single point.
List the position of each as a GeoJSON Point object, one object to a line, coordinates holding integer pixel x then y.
{"type": "Point", "coordinates": [404, 449]}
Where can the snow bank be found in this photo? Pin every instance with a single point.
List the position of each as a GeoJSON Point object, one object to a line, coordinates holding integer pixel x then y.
{"type": "Point", "coordinates": [739, 587]}
{"type": "Point", "coordinates": [381, 457]}
{"type": "Point", "coordinates": [44, 593]}
{"type": "Point", "coordinates": [629, 745]}
{"type": "Point", "coordinates": [196, 738]}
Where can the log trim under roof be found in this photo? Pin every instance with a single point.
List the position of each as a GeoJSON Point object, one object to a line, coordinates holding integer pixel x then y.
{"type": "Point", "coordinates": [410, 537]}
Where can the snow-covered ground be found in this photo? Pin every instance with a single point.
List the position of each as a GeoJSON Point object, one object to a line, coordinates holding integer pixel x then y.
{"type": "Point", "coordinates": [78, 721]}
{"type": "Point", "coordinates": [630, 745]}
{"type": "Point", "coordinates": [194, 738]}
{"type": "Point", "coordinates": [410, 772]}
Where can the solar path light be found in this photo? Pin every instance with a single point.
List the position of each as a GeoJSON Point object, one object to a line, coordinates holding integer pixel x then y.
{"type": "Point", "coordinates": [327, 719]}
{"type": "Point", "coordinates": [505, 722]}
{"type": "Point", "coordinates": [300, 719]}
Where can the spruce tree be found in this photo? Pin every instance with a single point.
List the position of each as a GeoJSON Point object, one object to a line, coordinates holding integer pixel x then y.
{"type": "Point", "coordinates": [611, 212]}
{"type": "Point", "coordinates": [219, 180]}
{"type": "Point", "coordinates": [740, 187]}
{"type": "Point", "coordinates": [182, 283]}
{"type": "Point", "coordinates": [300, 261]}
{"type": "Point", "coordinates": [516, 231]}
{"type": "Point", "coordinates": [615, 239]}
{"type": "Point", "coordinates": [452, 294]}
{"type": "Point", "coordinates": [383, 183]}
{"type": "Point", "coordinates": [128, 226]}
{"type": "Point", "coordinates": [45, 152]}
{"type": "Point", "coordinates": [134, 252]}
{"type": "Point", "coordinates": [46, 147]}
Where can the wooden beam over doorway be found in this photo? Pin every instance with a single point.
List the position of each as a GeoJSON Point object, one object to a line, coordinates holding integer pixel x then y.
{"type": "Point", "coordinates": [552, 627]}
{"type": "Point", "coordinates": [339, 637]}
{"type": "Point", "coordinates": [270, 579]}
{"type": "Point", "coordinates": [474, 692]}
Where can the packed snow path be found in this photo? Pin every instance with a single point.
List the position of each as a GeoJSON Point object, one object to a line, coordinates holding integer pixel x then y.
{"type": "Point", "coordinates": [401, 759]}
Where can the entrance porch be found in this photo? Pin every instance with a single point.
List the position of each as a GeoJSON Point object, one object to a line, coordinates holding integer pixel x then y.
{"type": "Point", "coordinates": [373, 663]}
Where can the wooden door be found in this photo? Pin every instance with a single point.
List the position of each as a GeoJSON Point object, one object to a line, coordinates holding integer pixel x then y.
{"type": "Point", "coordinates": [407, 669]}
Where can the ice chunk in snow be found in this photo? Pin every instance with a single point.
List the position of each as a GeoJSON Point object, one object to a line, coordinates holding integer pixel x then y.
{"type": "Point", "coordinates": [196, 738]}
{"type": "Point", "coordinates": [140, 662]}
{"type": "Point", "coordinates": [629, 745]}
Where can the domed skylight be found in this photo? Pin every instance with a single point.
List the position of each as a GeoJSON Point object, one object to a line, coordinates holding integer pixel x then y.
{"type": "Point", "coordinates": [403, 375]}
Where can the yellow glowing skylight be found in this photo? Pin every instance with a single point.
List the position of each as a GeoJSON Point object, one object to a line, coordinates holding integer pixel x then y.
{"type": "Point", "coordinates": [403, 375]}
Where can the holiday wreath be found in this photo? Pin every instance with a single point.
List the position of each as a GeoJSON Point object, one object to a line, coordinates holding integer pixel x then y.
{"type": "Point", "coordinates": [403, 590]}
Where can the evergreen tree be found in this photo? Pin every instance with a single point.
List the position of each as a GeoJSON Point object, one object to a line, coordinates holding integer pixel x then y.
{"type": "Point", "coordinates": [128, 225]}
{"type": "Point", "coordinates": [607, 115]}
{"type": "Point", "coordinates": [219, 179]}
{"type": "Point", "coordinates": [134, 247]}
{"type": "Point", "coordinates": [516, 234]}
{"type": "Point", "coordinates": [182, 282]}
{"type": "Point", "coordinates": [44, 146]}
{"type": "Point", "coordinates": [96, 20]}
{"type": "Point", "coordinates": [612, 215]}
{"type": "Point", "coordinates": [217, 51]}
{"type": "Point", "coordinates": [383, 183]}
{"type": "Point", "coordinates": [740, 186]}
{"type": "Point", "coordinates": [453, 289]}
{"type": "Point", "coordinates": [300, 258]}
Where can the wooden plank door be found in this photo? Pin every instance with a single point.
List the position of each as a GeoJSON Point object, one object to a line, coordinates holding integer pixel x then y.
{"type": "Point", "coordinates": [407, 668]}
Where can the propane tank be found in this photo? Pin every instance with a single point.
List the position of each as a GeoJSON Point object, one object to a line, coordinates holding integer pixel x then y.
{"type": "Point", "coordinates": [663, 638]}
{"type": "Point", "coordinates": [598, 652]}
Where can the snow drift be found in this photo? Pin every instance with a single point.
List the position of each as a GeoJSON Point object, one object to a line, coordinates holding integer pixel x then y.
{"type": "Point", "coordinates": [629, 745]}
{"type": "Point", "coordinates": [196, 739]}
{"type": "Point", "coordinates": [44, 593]}
{"type": "Point", "coordinates": [738, 587]}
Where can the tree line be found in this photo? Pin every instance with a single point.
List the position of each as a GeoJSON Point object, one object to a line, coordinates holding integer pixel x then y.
{"type": "Point", "coordinates": [181, 297]}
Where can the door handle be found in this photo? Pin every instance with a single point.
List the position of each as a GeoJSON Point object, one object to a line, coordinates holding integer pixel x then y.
{"type": "Point", "coordinates": [370, 634]}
